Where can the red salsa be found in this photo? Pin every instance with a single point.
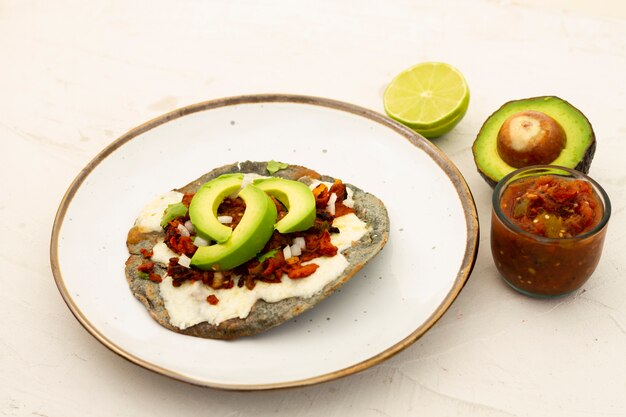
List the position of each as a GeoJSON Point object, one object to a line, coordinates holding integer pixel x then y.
{"type": "Point", "coordinates": [550, 258]}
{"type": "Point", "coordinates": [551, 206]}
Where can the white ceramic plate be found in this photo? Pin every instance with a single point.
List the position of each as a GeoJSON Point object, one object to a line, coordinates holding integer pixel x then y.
{"type": "Point", "coordinates": [390, 303]}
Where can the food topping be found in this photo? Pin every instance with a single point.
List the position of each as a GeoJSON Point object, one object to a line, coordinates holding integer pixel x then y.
{"type": "Point", "coordinates": [551, 206]}
{"type": "Point", "coordinates": [212, 299]}
{"type": "Point", "coordinates": [146, 271]}
{"type": "Point", "coordinates": [178, 242]}
{"type": "Point", "coordinates": [204, 205]}
{"type": "Point", "coordinates": [296, 197]}
{"type": "Point", "coordinates": [172, 212]}
{"type": "Point", "coordinates": [156, 278]}
{"type": "Point", "coordinates": [247, 239]}
{"type": "Point", "coordinates": [187, 199]}
{"type": "Point", "coordinates": [274, 166]}
{"type": "Point", "coordinates": [290, 254]}
{"type": "Point", "coordinates": [146, 267]}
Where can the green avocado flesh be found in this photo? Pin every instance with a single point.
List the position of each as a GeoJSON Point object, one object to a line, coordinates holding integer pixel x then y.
{"type": "Point", "coordinates": [298, 199]}
{"type": "Point", "coordinates": [247, 239]}
{"type": "Point", "coordinates": [204, 205]}
{"type": "Point", "coordinates": [580, 139]}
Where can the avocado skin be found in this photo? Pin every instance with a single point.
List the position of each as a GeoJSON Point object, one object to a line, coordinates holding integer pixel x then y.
{"type": "Point", "coordinates": [583, 164]}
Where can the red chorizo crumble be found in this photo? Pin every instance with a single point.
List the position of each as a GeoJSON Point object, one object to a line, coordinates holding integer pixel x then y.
{"type": "Point", "coordinates": [270, 270]}
{"type": "Point", "coordinates": [146, 267]}
{"type": "Point", "coordinates": [177, 242]}
{"type": "Point", "coordinates": [187, 199]}
{"type": "Point", "coordinates": [212, 299]}
{"type": "Point", "coordinates": [146, 253]}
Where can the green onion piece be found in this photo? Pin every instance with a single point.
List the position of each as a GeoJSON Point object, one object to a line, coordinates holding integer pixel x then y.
{"type": "Point", "coordinates": [173, 211]}
{"type": "Point", "coordinates": [267, 255]}
{"type": "Point", "coordinates": [274, 166]}
{"type": "Point", "coordinates": [143, 275]}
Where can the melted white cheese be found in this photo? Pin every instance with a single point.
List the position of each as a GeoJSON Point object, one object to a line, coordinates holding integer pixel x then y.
{"type": "Point", "coordinates": [149, 219]}
{"type": "Point", "coordinates": [187, 304]}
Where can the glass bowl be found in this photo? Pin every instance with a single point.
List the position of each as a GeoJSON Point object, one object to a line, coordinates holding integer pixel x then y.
{"type": "Point", "coordinates": [534, 264]}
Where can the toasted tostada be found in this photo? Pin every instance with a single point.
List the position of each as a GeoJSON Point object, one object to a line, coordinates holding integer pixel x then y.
{"type": "Point", "coordinates": [220, 259]}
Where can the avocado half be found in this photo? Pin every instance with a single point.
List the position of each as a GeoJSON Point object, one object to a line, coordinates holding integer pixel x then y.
{"type": "Point", "coordinates": [580, 143]}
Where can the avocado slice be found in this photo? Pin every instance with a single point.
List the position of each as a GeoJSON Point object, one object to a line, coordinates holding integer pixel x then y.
{"type": "Point", "coordinates": [247, 239]}
{"type": "Point", "coordinates": [204, 205]}
{"type": "Point", "coordinates": [297, 197]}
{"type": "Point", "coordinates": [576, 140]}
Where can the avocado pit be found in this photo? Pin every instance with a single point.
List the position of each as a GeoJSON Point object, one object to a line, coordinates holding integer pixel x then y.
{"type": "Point", "coordinates": [530, 138]}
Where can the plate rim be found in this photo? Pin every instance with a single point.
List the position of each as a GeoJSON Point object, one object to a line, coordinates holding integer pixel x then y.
{"type": "Point", "coordinates": [442, 160]}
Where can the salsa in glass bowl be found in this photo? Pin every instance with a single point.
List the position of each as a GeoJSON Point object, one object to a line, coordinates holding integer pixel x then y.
{"type": "Point", "coordinates": [547, 229]}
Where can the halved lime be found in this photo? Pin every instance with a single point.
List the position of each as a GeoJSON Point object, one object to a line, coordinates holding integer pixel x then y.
{"type": "Point", "coordinates": [430, 98]}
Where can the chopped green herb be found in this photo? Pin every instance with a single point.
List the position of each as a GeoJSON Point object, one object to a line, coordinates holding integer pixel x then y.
{"type": "Point", "coordinates": [143, 275]}
{"type": "Point", "coordinates": [274, 166]}
{"type": "Point", "coordinates": [172, 212]}
{"type": "Point", "coordinates": [267, 255]}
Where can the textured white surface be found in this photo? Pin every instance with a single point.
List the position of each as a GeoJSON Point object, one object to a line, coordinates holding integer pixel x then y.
{"type": "Point", "coordinates": [76, 75]}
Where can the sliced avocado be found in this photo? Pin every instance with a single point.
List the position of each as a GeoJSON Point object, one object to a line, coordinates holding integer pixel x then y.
{"type": "Point", "coordinates": [247, 239]}
{"type": "Point", "coordinates": [204, 205]}
{"type": "Point", "coordinates": [297, 197]}
{"type": "Point", "coordinates": [574, 150]}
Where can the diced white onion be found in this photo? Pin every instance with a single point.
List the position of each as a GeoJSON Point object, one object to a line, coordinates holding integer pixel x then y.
{"type": "Point", "coordinates": [198, 241]}
{"type": "Point", "coordinates": [331, 204]}
{"type": "Point", "coordinates": [184, 260]}
{"type": "Point", "coordinates": [300, 242]}
{"type": "Point", "coordinates": [295, 250]}
{"type": "Point", "coordinates": [189, 226]}
{"type": "Point", "coordinates": [225, 219]}
{"type": "Point", "coordinates": [287, 252]}
{"type": "Point", "coordinates": [183, 230]}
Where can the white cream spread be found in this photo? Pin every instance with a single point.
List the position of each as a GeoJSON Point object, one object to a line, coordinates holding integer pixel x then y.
{"type": "Point", "coordinates": [187, 304]}
{"type": "Point", "coordinates": [149, 219]}
{"type": "Point", "coordinates": [351, 229]}
{"type": "Point", "coordinates": [161, 253]}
